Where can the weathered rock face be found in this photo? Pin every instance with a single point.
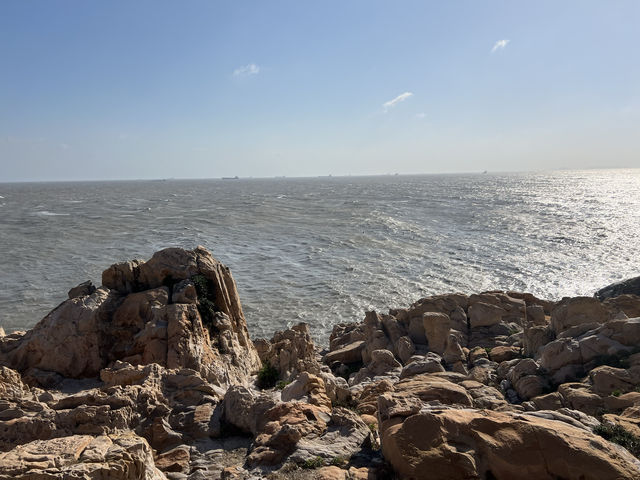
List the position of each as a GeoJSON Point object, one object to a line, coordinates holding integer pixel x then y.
{"type": "Point", "coordinates": [123, 456]}
{"type": "Point", "coordinates": [145, 312]}
{"type": "Point", "coordinates": [571, 312]}
{"type": "Point", "coordinates": [629, 286]}
{"type": "Point", "coordinates": [155, 367]}
{"type": "Point", "coordinates": [446, 444]}
{"type": "Point", "coordinates": [290, 352]}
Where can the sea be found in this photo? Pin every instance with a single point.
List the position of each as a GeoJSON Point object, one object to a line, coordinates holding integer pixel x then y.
{"type": "Point", "coordinates": [325, 250]}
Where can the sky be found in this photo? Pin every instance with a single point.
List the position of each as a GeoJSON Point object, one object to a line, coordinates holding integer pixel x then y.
{"type": "Point", "coordinates": [204, 89]}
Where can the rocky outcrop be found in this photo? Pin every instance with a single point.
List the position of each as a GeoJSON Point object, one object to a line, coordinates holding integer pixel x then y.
{"type": "Point", "coordinates": [290, 352]}
{"type": "Point", "coordinates": [453, 443]}
{"type": "Point", "coordinates": [152, 375]}
{"type": "Point", "coordinates": [122, 456]}
{"type": "Point", "coordinates": [179, 309]}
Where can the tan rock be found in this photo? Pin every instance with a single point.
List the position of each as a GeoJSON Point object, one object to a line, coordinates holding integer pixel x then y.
{"type": "Point", "coordinates": [124, 456]}
{"type": "Point", "coordinates": [627, 304]}
{"type": "Point", "coordinates": [174, 460]}
{"type": "Point", "coordinates": [123, 277]}
{"type": "Point", "coordinates": [291, 352]}
{"type": "Point", "coordinates": [575, 311]}
{"type": "Point", "coordinates": [621, 402]}
{"type": "Point", "coordinates": [502, 353]}
{"type": "Point", "coordinates": [382, 363]}
{"type": "Point", "coordinates": [437, 327]}
{"type": "Point", "coordinates": [433, 386]}
{"type": "Point", "coordinates": [450, 444]}
{"type": "Point", "coordinates": [11, 386]}
{"type": "Point", "coordinates": [364, 473]}
{"type": "Point", "coordinates": [536, 315]}
{"type": "Point", "coordinates": [535, 337]}
{"type": "Point", "coordinates": [367, 398]}
{"type": "Point", "coordinates": [245, 409]}
{"type": "Point", "coordinates": [550, 401]}
{"type": "Point", "coordinates": [405, 349]}
{"type": "Point", "coordinates": [454, 352]}
{"type": "Point", "coordinates": [606, 379]}
{"type": "Point", "coordinates": [88, 333]}
{"type": "Point", "coordinates": [578, 396]}
{"type": "Point", "coordinates": [351, 353]}
{"type": "Point", "coordinates": [485, 315]}
{"type": "Point", "coordinates": [331, 473]}
{"type": "Point", "coordinates": [308, 388]}
{"type": "Point", "coordinates": [430, 363]}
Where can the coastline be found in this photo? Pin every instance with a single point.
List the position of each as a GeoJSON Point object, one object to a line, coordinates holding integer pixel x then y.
{"type": "Point", "coordinates": [154, 373]}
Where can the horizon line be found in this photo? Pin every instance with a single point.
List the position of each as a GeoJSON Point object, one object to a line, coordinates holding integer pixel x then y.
{"type": "Point", "coordinates": [324, 176]}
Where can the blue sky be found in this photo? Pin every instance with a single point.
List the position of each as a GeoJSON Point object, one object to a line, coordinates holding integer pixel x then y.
{"type": "Point", "coordinates": [195, 89]}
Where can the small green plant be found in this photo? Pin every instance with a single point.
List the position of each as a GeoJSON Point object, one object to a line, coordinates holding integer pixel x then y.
{"type": "Point", "coordinates": [488, 350]}
{"type": "Point", "coordinates": [281, 384]}
{"type": "Point", "coordinates": [206, 301]}
{"type": "Point", "coordinates": [617, 434]}
{"type": "Point", "coordinates": [312, 463]}
{"type": "Point", "coordinates": [616, 393]}
{"type": "Point", "coordinates": [338, 461]}
{"type": "Point", "coordinates": [267, 376]}
{"type": "Point", "coordinates": [373, 427]}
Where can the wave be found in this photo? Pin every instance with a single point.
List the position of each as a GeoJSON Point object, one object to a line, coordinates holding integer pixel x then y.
{"type": "Point", "coordinates": [46, 213]}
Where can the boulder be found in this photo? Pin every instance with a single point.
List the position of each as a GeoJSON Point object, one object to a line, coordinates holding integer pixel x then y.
{"type": "Point", "coordinates": [624, 287]}
{"type": "Point", "coordinates": [429, 387]}
{"type": "Point", "coordinates": [575, 311]}
{"type": "Point", "coordinates": [485, 315]}
{"type": "Point", "coordinates": [382, 363]}
{"type": "Point", "coordinates": [245, 409]}
{"type": "Point", "coordinates": [436, 327]}
{"type": "Point", "coordinates": [446, 444]}
{"type": "Point", "coordinates": [351, 353]}
{"type": "Point", "coordinates": [535, 337]}
{"type": "Point", "coordinates": [431, 363]}
{"type": "Point", "coordinates": [405, 349]}
{"type": "Point", "coordinates": [606, 380]}
{"type": "Point", "coordinates": [308, 388]}
{"type": "Point", "coordinates": [502, 353]}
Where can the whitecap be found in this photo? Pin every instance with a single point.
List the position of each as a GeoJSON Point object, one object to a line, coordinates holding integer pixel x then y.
{"type": "Point", "coordinates": [45, 213]}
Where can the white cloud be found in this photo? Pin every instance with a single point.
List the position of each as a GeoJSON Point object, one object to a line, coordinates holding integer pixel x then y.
{"type": "Point", "coordinates": [400, 98]}
{"type": "Point", "coordinates": [421, 115]}
{"type": "Point", "coordinates": [500, 45]}
{"type": "Point", "coordinates": [246, 70]}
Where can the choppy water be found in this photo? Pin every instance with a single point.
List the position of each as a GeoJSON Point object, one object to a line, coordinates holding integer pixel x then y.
{"type": "Point", "coordinates": [324, 250]}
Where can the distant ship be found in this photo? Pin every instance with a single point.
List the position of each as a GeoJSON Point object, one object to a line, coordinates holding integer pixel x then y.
{"type": "Point", "coordinates": [231, 178]}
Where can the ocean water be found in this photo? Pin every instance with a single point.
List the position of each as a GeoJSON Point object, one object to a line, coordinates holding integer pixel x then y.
{"type": "Point", "coordinates": [325, 250]}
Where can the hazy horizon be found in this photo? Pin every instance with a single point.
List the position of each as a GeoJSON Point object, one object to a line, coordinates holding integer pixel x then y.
{"type": "Point", "coordinates": [325, 176]}
{"type": "Point", "coordinates": [188, 90]}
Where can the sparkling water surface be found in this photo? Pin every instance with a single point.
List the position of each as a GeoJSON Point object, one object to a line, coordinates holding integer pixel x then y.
{"type": "Point", "coordinates": [325, 250]}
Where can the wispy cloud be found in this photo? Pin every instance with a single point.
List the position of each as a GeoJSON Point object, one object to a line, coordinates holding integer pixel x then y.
{"type": "Point", "coordinates": [246, 70]}
{"type": "Point", "coordinates": [500, 45]}
{"type": "Point", "coordinates": [400, 98]}
{"type": "Point", "coordinates": [421, 115]}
